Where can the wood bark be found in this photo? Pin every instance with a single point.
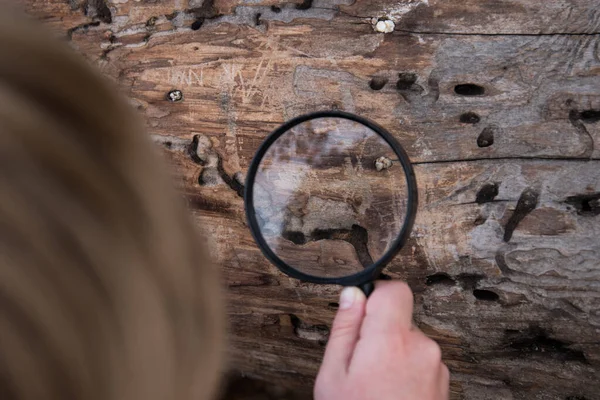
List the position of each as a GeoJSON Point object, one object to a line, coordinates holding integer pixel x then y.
{"type": "Point", "coordinates": [497, 104]}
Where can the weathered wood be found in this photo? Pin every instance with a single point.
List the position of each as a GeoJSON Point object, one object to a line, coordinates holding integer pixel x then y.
{"type": "Point", "coordinates": [498, 106]}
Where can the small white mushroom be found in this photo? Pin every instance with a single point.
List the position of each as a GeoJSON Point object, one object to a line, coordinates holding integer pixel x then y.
{"type": "Point", "coordinates": [385, 26]}
{"type": "Point", "coordinates": [175, 95]}
{"type": "Point", "coordinates": [382, 163]}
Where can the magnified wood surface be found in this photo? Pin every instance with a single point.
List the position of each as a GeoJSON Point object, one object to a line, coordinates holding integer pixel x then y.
{"type": "Point", "coordinates": [497, 104]}
{"type": "Point", "coordinates": [322, 204]}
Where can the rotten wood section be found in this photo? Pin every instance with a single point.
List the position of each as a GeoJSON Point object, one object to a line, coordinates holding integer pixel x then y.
{"type": "Point", "coordinates": [497, 104]}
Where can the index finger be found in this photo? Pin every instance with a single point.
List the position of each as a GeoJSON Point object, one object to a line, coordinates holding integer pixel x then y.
{"type": "Point", "coordinates": [389, 309]}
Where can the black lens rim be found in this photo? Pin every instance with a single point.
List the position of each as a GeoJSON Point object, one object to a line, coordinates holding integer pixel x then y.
{"type": "Point", "coordinates": [368, 274]}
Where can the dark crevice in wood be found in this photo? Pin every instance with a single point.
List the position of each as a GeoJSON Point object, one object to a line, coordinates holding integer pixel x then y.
{"type": "Point", "coordinates": [469, 118]}
{"type": "Point", "coordinates": [440, 278]}
{"type": "Point", "coordinates": [486, 137]}
{"type": "Point", "coordinates": [585, 204]}
{"type": "Point", "coordinates": [407, 86]}
{"type": "Point", "coordinates": [358, 237]}
{"type": "Point", "coordinates": [209, 176]}
{"type": "Point", "coordinates": [487, 193]}
{"type": "Point", "coordinates": [480, 220]}
{"type": "Point", "coordinates": [171, 17]}
{"type": "Point", "coordinates": [469, 281]}
{"type": "Point", "coordinates": [197, 24]}
{"type": "Point", "coordinates": [576, 118]}
{"type": "Point", "coordinates": [295, 237]}
{"type": "Point", "coordinates": [590, 116]}
{"type": "Point", "coordinates": [377, 83]}
{"type": "Point", "coordinates": [97, 9]}
{"type": "Point", "coordinates": [526, 204]}
{"type": "Point", "coordinates": [305, 5]}
{"type": "Point", "coordinates": [501, 263]}
{"type": "Point", "coordinates": [433, 82]}
{"type": "Point", "coordinates": [406, 80]}
{"type": "Point", "coordinates": [112, 39]}
{"type": "Point", "coordinates": [104, 55]}
{"type": "Point", "coordinates": [206, 11]}
{"type": "Point", "coordinates": [150, 22]}
{"type": "Point", "coordinates": [231, 181]}
{"type": "Point", "coordinates": [537, 341]}
{"type": "Point", "coordinates": [303, 330]}
{"type": "Point", "coordinates": [466, 203]}
{"type": "Point", "coordinates": [485, 295]}
{"type": "Point", "coordinates": [82, 27]}
{"type": "Point", "coordinates": [192, 151]}
{"type": "Point", "coordinates": [469, 89]}
{"type": "Point", "coordinates": [334, 305]}
{"type": "Point", "coordinates": [276, 9]}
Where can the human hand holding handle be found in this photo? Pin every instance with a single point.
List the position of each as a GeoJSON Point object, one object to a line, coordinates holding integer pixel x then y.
{"type": "Point", "coordinates": [375, 353]}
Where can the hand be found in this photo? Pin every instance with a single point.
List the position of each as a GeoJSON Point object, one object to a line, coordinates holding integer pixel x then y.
{"type": "Point", "coordinates": [374, 352]}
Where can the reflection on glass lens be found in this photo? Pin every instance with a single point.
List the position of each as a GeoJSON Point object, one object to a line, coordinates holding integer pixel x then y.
{"type": "Point", "coordinates": [330, 197]}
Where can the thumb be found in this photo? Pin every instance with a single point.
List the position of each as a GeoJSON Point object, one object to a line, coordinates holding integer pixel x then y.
{"type": "Point", "coordinates": [345, 331]}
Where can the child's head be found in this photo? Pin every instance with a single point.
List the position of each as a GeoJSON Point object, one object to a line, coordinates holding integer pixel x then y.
{"type": "Point", "coordinates": [105, 290]}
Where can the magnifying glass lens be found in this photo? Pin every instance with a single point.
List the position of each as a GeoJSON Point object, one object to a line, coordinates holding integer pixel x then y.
{"type": "Point", "coordinates": [330, 197]}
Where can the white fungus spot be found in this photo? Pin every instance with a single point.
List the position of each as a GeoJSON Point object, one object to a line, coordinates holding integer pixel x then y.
{"type": "Point", "coordinates": [385, 26]}
{"type": "Point", "coordinates": [382, 163]}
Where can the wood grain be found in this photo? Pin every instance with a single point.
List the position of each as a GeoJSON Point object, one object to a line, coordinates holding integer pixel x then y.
{"type": "Point", "coordinates": [481, 94]}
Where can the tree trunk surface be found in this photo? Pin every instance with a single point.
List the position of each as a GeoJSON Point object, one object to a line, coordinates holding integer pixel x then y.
{"type": "Point", "coordinates": [497, 104]}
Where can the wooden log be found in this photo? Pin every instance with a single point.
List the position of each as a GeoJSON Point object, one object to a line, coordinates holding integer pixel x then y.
{"type": "Point", "coordinates": [498, 106]}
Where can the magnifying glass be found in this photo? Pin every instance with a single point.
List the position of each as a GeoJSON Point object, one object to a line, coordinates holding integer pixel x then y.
{"type": "Point", "coordinates": [330, 198]}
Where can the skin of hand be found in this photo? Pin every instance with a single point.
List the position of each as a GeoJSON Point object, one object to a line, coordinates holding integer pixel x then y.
{"type": "Point", "coordinates": [375, 353]}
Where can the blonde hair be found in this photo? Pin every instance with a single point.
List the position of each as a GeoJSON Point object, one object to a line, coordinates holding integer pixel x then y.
{"type": "Point", "coordinates": [105, 289]}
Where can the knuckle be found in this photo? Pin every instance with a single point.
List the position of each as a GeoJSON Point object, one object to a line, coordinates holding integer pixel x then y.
{"type": "Point", "coordinates": [432, 352]}
{"type": "Point", "coordinates": [399, 291]}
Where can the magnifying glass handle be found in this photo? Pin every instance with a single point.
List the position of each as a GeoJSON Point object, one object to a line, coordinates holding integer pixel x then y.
{"type": "Point", "coordinates": [367, 288]}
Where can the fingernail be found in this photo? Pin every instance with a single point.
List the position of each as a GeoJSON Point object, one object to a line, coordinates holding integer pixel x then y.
{"type": "Point", "coordinates": [347, 297]}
